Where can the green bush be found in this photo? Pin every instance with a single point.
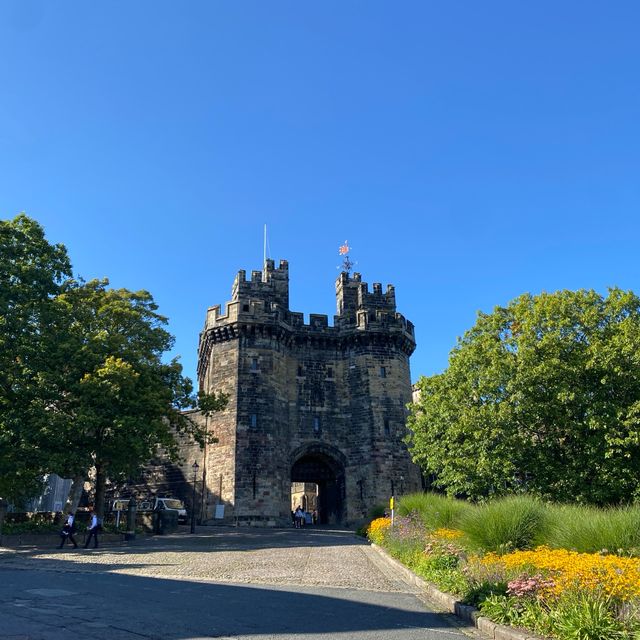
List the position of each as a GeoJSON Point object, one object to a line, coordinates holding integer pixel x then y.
{"type": "Point", "coordinates": [517, 522]}
{"type": "Point", "coordinates": [12, 528]}
{"type": "Point", "coordinates": [435, 510]}
{"type": "Point", "coordinates": [590, 530]}
{"type": "Point", "coordinates": [585, 617]}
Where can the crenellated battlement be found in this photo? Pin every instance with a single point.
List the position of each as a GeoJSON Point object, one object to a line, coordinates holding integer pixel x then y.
{"type": "Point", "coordinates": [263, 300]}
{"type": "Point", "coordinates": [271, 285]}
{"type": "Point", "coordinates": [353, 299]}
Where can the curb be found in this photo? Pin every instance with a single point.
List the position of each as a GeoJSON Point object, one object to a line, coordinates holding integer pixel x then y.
{"type": "Point", "coordinates": [452, 605]}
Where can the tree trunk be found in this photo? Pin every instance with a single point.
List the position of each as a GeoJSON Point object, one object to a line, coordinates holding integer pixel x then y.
{"type": "Point", "coordinates": [3, 512]}
{"type": "Point", "coordinates": [75, 493]}
{"type": "Point", "coordinates": [101, 484]}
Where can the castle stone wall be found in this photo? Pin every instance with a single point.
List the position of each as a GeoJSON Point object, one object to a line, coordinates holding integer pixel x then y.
{"type": "Point", "coordinates": [330, 399]}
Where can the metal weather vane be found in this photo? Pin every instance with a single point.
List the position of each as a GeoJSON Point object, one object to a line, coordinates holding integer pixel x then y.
{"type": "Point", "coordinates": [347, 263]}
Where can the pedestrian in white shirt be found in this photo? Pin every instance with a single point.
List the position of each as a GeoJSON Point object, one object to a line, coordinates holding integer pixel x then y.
{"type": "Point", "coordinates": [67, 532]}
{"type": "Point", "coordinates": [94, 527]}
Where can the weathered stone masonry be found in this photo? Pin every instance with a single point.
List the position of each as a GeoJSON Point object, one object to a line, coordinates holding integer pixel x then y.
{"type": "Point", "coordinates": [308, 402]}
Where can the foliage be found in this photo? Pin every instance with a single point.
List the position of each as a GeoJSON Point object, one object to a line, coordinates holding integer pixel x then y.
{"type": "Point", "coordinates": [542, 396]}
{"type": "Point", "coordinates": [579, 616]}
{"type": "Point", "coordinates": [435, 510]}
{"type": "Point", "coordinates": [83, 383]}
{"type": "Point", "coordinates": [12, 528]}
{"type": "Point", "coordinates": [502, 525]}
{"type": "Point", "coordinates": [575, 616]}
{"type": "Point", "coordinates": [557, 593]}
{"type": "Point", "coordinates": [588, 529]}
{"type": "Point", "coordinates": [32, 272]}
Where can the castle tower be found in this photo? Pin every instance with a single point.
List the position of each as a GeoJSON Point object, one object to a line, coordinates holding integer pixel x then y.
{"type": "Point", "coordinates": [309, 402]}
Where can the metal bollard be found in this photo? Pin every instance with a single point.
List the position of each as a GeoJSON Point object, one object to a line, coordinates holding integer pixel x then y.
{"type": "Point", "coordinates": [131, 520]}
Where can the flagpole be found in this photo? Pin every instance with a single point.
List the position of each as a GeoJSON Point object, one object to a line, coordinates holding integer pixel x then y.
{"type": "Point", "coordinates": [265, 243]}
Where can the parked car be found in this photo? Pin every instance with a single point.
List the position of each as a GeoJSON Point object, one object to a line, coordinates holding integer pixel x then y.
{"type": "Point", "coordinates": [154, 504]}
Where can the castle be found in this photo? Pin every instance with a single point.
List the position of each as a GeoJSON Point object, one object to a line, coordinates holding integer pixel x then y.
{"type": "Point", "coordinates": [308, 403]}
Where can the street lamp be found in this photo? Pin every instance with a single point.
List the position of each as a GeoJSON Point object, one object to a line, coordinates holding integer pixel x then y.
{"type": "Point", "coordinates": [195, 466]}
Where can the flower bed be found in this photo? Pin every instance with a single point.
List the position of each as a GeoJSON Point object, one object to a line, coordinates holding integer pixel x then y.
{"type": "Point", "coordinates": [558, 593]}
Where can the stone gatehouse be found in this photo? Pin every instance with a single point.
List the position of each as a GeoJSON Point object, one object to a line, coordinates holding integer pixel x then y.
{"type": "Point", "coordinates": [308, 402]}
{"type": "Point", "coordinates": [310, 405]}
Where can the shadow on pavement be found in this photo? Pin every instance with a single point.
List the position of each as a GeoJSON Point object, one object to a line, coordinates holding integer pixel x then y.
{"type": "Point", "coordinates": [109, 605]}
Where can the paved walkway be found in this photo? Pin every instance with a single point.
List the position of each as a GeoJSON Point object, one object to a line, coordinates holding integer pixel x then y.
{"type": "Point", "coordinates": [218, 583]}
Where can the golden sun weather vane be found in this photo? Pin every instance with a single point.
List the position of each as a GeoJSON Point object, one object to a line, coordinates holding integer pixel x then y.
{"type": "Point", "coordinates": [347, 263]}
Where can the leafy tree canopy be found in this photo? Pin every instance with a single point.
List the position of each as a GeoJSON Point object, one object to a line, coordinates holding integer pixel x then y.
{"type": "Point", "coordinates": [32, 272]}
{"type": "Point", "coordinates": [83, 382]}
{"type": "Point", "coordinates": [541, 396]}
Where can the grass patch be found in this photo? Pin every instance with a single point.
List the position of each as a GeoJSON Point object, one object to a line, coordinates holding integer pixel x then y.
{"type": "Point", "coordinates": [591, 530]}
{"type": "Point", "coordinates": [435, 510]}
{"type": "Point", "coordinates": [516, 522]}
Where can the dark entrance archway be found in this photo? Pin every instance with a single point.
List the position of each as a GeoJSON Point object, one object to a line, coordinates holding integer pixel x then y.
{"type": "Point", "coordinates": [322, 466]}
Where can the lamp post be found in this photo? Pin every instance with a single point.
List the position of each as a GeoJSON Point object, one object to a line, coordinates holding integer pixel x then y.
{"type": "Point", "coordinates": [195, 466]}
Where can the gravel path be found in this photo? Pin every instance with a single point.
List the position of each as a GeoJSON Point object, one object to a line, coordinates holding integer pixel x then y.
{"type": "Point", "coordinates": [312, 557]}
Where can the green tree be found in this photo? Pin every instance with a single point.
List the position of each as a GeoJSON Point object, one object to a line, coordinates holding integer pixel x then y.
{"type": "Point", "coordinates": [543, 396]}
{"type": "Point", "coordinates": [32, 272]}
{"type": "Point", "coordinates": [83, 384]}
{"type": "Point", "coordinates": [117, 402]}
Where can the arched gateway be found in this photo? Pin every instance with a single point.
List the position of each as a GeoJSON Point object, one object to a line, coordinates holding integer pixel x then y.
{"type": "Point", "coordinates": [308, 402]}
{"type": "Point", "coordinates": [324, 467]}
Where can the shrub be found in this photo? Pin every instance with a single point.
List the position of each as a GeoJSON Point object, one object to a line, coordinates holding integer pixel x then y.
{"type": "Point", "coordinates": [10, 528]}
{"type": "Point", "coordinates": [506, 524]}
{"type": "Point", "coordinates": [434, 510]}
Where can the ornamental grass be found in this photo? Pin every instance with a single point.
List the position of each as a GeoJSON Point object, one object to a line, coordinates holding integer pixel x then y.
{"type": "Point", "coordinates": [435, 510]}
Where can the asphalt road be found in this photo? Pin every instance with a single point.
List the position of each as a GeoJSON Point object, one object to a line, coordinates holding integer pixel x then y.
{"type": "Point", "coordinates": [221, 583]}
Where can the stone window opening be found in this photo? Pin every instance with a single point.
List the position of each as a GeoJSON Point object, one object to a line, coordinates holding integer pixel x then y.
{"type": "Point", "coordinates": [330, 372]}
{"type": "Point", "coordinates": [254, 364]}
{"type": "Point", "coordinates": [300, 371]}
{"type": "Point", "coordinates": [253, 420]}
{"type": "Point", "coordinates": [245, 307]}
{"type": "Point", "coordinates": [383, 372]}
{"type": "Point", "coordinates": [316, 424]}
{"type": "Point", "coordinates": [387, 428]}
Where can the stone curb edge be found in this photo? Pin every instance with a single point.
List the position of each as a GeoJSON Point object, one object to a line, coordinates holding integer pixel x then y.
{"type": "Point", "coordinates": [452, 605]}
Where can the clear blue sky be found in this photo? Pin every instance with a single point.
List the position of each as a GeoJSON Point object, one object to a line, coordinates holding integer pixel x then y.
{"type": "Point", "coordinates": [469, 151]}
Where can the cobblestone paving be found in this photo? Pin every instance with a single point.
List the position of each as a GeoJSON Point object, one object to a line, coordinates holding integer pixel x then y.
{"type": "Point", "coordinates": [313, 557]}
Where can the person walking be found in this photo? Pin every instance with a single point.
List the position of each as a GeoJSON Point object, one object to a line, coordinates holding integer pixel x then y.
{"type": "Point", "coordinates": [298, 516]}
{"type": "Point", "coordinates": [67, 532]}
{"type": "Point", "coordinates": [94, 527]}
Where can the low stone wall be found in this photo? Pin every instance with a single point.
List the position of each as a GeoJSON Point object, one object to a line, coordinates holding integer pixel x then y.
{"type": "Point", "coordinates": [52, 539]}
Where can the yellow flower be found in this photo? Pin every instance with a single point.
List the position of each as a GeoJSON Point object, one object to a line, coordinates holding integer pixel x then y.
{"type": "Point", "coordinates": [447, 534]}
{"type": "Point", "coordinates": [377, 529]}
{"type": "Point", "coordinates": [612, 575]}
